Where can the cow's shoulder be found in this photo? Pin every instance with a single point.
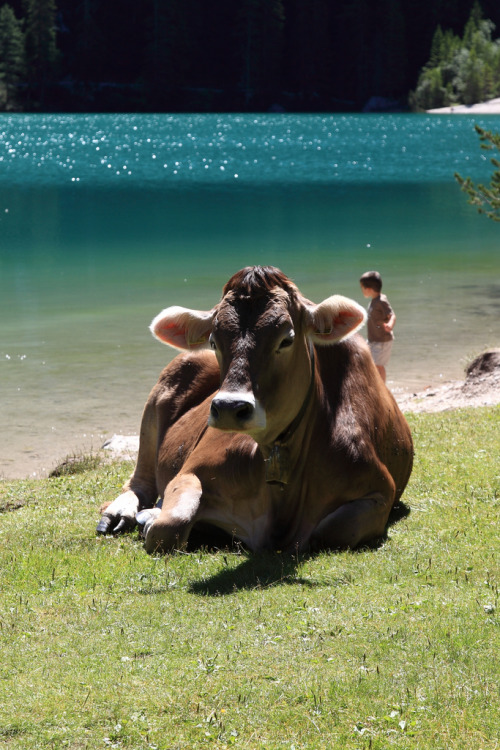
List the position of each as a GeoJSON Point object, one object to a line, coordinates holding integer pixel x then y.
{"type": "Point", "coordinates": [186, 381]}
{"type": "Point", "coordinates": [189, 371]}
{"type": "Point", "coordinates": [178, 405]}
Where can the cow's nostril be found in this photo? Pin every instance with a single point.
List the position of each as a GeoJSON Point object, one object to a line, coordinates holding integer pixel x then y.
{"type": "Point", "coordinates": [214, 412]}
{"type": "Point", "coordinates": [245, 412]}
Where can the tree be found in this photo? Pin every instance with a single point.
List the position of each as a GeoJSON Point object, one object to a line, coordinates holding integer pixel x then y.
{"type": "Point", "coordinates": [486, 199]}
{"type": "Point", "coordinates": [473, 25]}
{"type": "Point", "coordinates": [12, 55]}
{"type": "Point", "coordinates": [389, 53]}
{"type": "Point", "coordinates": [436, 56]}
{"type": "Point", "coordinates": [41, 49]}
{"type": "Point", "coordinates": [89, 48]}
{"type": "Point", "coordinates": [310, 48]}
{"type": "Point", "coordinates": [468, 67]}
{"type": "Point", "coordinates": [352, 63]}
{"type": "Point", "coordinates": [430, 93]}
{"type": "Point", "coordinates": [259, 35]}
{"type": "Point", "coordinates": [172, 41]}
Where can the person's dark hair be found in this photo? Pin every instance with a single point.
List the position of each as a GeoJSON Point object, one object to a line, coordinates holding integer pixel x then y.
{"type": "Point", "coordinates": [372, 280]}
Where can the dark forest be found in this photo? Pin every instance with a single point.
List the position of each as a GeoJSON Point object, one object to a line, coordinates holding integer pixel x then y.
{"type": "Point", "coordinates": [236, 55]}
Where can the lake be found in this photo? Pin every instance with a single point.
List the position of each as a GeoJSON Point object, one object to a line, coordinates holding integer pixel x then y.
{"type": "Point", "coordinates": [107, 219]}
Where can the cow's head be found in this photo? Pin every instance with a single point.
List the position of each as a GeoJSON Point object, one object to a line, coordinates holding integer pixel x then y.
{"type": "Point", "coordinates": [262, 332]}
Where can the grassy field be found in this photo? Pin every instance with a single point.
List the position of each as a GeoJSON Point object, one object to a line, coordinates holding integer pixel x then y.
{"type": "Point", "coordinates": [395, 646]}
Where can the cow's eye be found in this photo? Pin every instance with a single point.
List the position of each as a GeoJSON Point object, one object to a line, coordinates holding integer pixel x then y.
{"type": "Point", "coordinates": [287, 341]}
{"type": "Point", "coordinates": [212, 343]}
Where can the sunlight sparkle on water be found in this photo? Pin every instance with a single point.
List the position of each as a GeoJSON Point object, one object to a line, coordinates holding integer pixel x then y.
{"type": "Point", "coordinates": [325, 142]}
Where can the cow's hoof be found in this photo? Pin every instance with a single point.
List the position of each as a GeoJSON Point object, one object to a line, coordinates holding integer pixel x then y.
{"type": "Point", "coordinates": [105, 525]}
{"type": "Point", "coordinates": [145, 518]}
{"type": "Point", "coordinates": [112, 525]}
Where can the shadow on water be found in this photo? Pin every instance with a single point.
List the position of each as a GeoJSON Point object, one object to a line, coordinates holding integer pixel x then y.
{"type": "Point", "coordinates": [264, 570]}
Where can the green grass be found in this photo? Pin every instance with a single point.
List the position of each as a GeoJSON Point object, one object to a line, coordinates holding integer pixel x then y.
{"type": "Point", "coordinates": [396, 646]}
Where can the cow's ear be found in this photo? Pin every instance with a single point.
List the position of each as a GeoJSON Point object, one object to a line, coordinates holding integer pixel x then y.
{"type": "Point", "coordinates": [183, 328]}
{"type": "Point", "coordinates": [334, 319]}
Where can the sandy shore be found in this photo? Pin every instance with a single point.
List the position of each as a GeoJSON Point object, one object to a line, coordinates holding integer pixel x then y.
{"type": "Point", "coordinates": [491, 107]}
{"type": "Point", "coordinates": [457, 394]}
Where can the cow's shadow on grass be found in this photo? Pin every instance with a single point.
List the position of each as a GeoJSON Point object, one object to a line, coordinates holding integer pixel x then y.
{"type": "Point", "coordinates": [264, 570]}
{"type": "Point", "coordinates": [256, 571]}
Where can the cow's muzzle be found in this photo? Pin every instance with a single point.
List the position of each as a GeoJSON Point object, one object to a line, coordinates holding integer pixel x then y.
{"type": "Point", "coordinates": [236, 412]}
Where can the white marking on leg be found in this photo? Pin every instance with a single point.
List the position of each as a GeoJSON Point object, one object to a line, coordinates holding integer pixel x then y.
{"type": "Point", "coordinates": [186, 506]}
{"type": "Point", "coordinates": [126, 505]}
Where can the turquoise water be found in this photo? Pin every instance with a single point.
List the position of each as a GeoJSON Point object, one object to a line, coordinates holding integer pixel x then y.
{"type": "Point", "coordinates": [105, 220]}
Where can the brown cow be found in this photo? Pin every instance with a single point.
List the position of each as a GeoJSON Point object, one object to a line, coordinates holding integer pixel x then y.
{"type": "Point", "coordinates": [284, 436]}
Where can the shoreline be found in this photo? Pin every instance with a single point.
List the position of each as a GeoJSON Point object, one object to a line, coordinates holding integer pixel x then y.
{"type": "Point", "coordinates": [36, 449]}
{"type": "Point", "coordinates": [483, 390]}
{"type": "Point", "coordinates": [455, 394]}
{"type": "Point", "coordinates": [491, 107]}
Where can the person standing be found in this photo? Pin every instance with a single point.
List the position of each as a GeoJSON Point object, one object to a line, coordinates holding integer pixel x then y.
{"type": "Point", "coordinates": [381, 321]}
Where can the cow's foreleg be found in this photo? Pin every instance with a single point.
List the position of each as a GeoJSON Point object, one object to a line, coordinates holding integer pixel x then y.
{"type": "Point", "coordinates": [169, 528]}
{"type": "Point", "coordinates": [352, 524]}
{"type": "Point", "coordinates": [140, 491]}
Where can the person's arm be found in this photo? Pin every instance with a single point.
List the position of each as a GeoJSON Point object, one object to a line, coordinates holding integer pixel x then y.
{"type": "Point", "coordinates": [389, 324]}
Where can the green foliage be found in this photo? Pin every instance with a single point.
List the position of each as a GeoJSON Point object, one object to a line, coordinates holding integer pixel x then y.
{"type": "Point", "coordinates": [12, 53]}
{"type": "Point", "coordinates": [431, 92]}
{"type": "Point", "coordinates": [460, 70]}
{"type": "Point", "coordinates": [89, 42]}
{"type": "Point", "coordinates": [76, 464]}
{"type": "Point", "coordinates": [259, 35]}
{"type": "Point", "coordinates": [28, 51]}
{"type": "Point", "coordinates": [393, 646]}
{"type": "Point", "coordinates": [171, 38]}
{"type": "Point", "coordinates": [486, 199]}
{"type": "Point", "coordinates": [193, 55]}
{"type": "Point", "coordinates": [41, 49]}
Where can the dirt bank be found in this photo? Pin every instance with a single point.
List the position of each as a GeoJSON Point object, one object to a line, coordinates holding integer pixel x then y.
{"type": "Point", "coordinates": [481, 387]}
